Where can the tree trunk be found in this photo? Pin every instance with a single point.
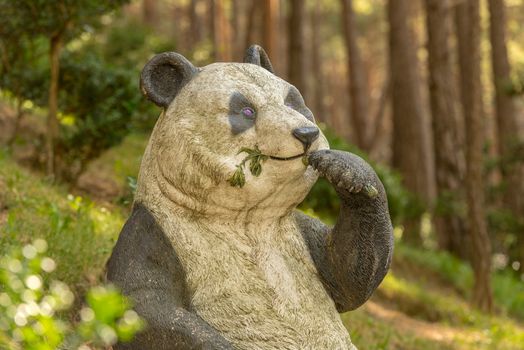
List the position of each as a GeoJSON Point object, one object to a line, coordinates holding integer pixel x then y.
{"type": "Point", "coordinates": [236, 13]}
{"type": "Point", "coordinates": [449, 161]}
{"type": "Point", "coordinates": [381, 111]}
{"type": "Point", "coordinates": [316, 62]}
{"type": "Point", "coordinates": [251, 24]}
{"type": "Point", "coordinates": [506, 117]}
{"type": "Point", "coordinates": [270, 30]}
{"type": "Point", "coordinates": [52, 120]}
{"type": "Point", "coordinates": [149, 11]}
{"type": "Point", "coordinates": [358, 86]}
{"type": "Point", "coordinates": [194, 23]}
{"type": "Point", "coordinates": [411, 150]}
{"type": "Point", "coordinates": [18, 119]}
{"type": "Point", "coordinates": [296, 45]}
{"type": "Point", "coordinates": [220, 32]}
{"type": "Point", "coordinates": [468, 35]}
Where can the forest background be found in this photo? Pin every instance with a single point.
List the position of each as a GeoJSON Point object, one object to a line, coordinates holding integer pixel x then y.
{"type": "Point", "coordinates": [429, 91]}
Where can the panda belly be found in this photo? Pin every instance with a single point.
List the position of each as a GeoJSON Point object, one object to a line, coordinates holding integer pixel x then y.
{"type": "Point", "coordinates": [260, 290]}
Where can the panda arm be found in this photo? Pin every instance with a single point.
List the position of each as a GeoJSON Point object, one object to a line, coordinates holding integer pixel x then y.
{"type": "Point", "coordinates": [354, 256]}
{"type": "Point", "coordinates": [146, 268]}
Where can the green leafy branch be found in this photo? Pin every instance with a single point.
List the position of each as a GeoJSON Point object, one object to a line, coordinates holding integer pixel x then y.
{"type": "Point", "coordinates": [32, 306]}
{"type": "Point", "coordinates": [255, 159]}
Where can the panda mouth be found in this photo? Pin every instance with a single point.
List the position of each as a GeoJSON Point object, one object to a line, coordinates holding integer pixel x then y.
{"type": "Point", "coordinates": [301, 155]}
{"type": "Point", "coordinates": [288, 158]}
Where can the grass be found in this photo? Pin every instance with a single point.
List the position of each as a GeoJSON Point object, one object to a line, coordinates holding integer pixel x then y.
{"type": "Point", "coordinates": [372, 333]}
{"type": "Point", "coordinates": [508, 291]}
{"type": "Point", "coordinates": [80, 234]}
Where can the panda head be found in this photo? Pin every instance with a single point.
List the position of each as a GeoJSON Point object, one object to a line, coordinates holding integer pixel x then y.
{"type": "Point", "coordinates": [209, 115]}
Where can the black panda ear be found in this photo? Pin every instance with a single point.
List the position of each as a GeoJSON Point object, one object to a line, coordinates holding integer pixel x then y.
{"type": "Point", "coordinates": [255, 54]}
{"type": "Point", "coordinates": [164, 75]}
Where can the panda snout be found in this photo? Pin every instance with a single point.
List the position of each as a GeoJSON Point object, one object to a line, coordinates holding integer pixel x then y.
{"type": "Point", "coordinates": [307, 135]}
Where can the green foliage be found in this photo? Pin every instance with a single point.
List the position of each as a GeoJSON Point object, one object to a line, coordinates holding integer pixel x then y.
{"type": "Point", "coordinates": [323, 199]}
{"type": "Point", "coordinates": [373, 333]}
{"type": "Point", "coordinates": [418, 299]}
{"type": "Point", "coordinates": [508, 291]}
{"type": "Point", "coordinates": [31, 303]}
{"type": "Point", "coordinates": [48, 18]}
{"type": "Point", "coordinates": [108, 317]}
{"type": "Point", "coordinates": [23, 70]}
{"type": "Point", "coordinates": [504, 226]}
{"type": "Point", "coordinates": [28, 25]}
{"type": "Point", "coordinates": [27, 28]}
{"type": "Point", "coordinates": [99, 102]}
{"type": "Point", "coordinates": [255, 159]}
{"type": "Point", "coordinates": [80, 234]}
{"type": "Point", "coordinates": [126, 44]}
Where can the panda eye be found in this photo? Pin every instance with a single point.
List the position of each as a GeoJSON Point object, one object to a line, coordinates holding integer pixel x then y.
{"type": "Point", "coordinates": [248, 112]}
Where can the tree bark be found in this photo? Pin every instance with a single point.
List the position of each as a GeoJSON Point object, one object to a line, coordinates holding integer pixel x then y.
{"type": "Point", "coordinates": [358, 86]}
{"type": "Point", "coordinates": [468, 35]}
{"type": "Point", "coordinates": [18, 119]}
{"type": "Point", "coordinates": [506, 117]}
{"type": "Point", "coordinates": [316, 62]}
{"type": "Point", "coordinates": [296, 45]}
{"type": "Point", "coordinates": [236, 13]}
{"type": "Point", "coordinates": [251, 24]}
{"type": "Point", "coordinates": [221, 32]}
{"type": "Point", "coordinates": [449, 161]}
{"type": "Point", "coordinates": [52, 120]}
{"type": "Point", "coordinates": [149, 11]}
{"type": "Point", "coordinates": [270, 30]}
{"type": "Point", "coordinates": [411, 149]}
{"type": "Point", "coordinates": [194, 23]}
{"type": "Point", "coordinates": [381, 111]}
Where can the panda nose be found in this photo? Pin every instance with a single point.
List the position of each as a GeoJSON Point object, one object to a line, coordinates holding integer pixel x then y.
{"type": "Point", "coordinates": [307, 135]}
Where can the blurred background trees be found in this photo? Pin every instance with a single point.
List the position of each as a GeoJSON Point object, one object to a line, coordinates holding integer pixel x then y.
{"type": "Point", "coordinates": [429, 91]}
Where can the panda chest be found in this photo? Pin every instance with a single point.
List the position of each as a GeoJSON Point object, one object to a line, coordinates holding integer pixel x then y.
{"type": "Point", "coordinates": [259, 285]}
{"type": "Point", "coordinates": [252, 267]}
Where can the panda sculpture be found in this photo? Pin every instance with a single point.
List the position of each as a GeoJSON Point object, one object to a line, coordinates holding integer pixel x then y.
{"type": "Point", "coordinates": [213, 265]}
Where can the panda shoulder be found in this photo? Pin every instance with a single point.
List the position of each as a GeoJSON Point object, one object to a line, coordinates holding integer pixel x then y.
{"type": "Point", "coordinates": [144, 252]}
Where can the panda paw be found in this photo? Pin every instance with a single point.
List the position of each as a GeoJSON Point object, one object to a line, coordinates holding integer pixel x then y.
{"type": "Point", "coordinates": [348, 173]}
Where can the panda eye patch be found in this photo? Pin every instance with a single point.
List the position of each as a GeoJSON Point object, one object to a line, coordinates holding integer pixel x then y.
{"type": "Point", "coordinates": [248, 112]}
{"type": "Point", "coordinates": [295, 101]}
{"type": "Point", "coordinates": [242, 114]}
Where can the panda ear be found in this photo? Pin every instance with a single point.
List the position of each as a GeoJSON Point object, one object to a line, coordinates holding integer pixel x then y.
{"type": "Point", "coordinates": [164, 76]}
{"type": "Point", "coordinates": [255, 54]}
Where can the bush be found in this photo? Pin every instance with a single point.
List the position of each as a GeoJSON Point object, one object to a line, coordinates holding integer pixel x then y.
{"type": "Point", "coordinates": [31, 304]}
{"type": "Point", "coordinates": [98, 102]}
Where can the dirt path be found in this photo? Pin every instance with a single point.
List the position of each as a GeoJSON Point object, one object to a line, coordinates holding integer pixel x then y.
{"type": "Point", "coordinates": [422, 329]}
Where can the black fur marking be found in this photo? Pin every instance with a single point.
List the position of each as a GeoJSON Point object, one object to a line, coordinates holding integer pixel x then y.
{"type": "Point", "coordinates": [295, 100]}
{"type": "Point", "coordinates": [239, 122]}
{"type": "Point", "coordinates": [255, 54]}
{"type": "Point", "coordinates": [146, 268]}
{"type": "Point", "coordinates": [353, 257]}
{"type": "Point", "coordinates": [164, 76]}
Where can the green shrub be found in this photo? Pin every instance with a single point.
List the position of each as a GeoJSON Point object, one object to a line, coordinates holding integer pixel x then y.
{"type": "Point", "coordinates": [98, 102]}
{"type": "Point", "coordinates": [31, 305]}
